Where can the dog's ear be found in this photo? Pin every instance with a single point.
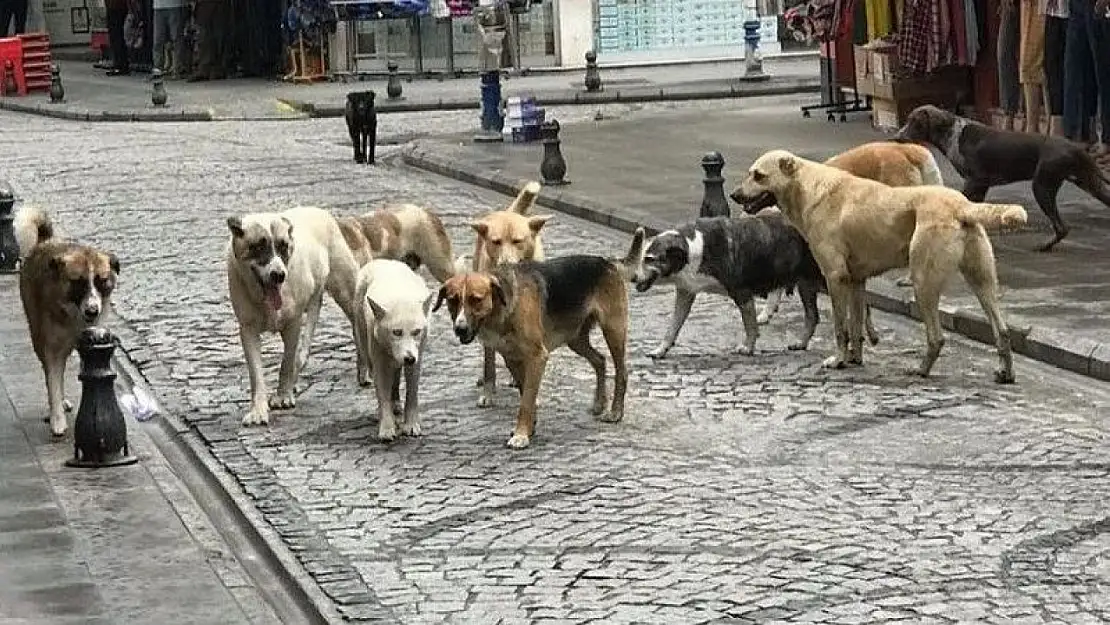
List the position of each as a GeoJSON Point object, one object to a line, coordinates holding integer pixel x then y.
{"type": "Point", "coordinates": [788, 165]}
{"type": "Point", "coordinates": [432, 298]}
{"type": "Point", "coordinates": [636, 250]}
{"type": "Point", "coordinates": [481, 227]}
{"type": "Point", "coordinates": [57, 264]}
{"type": "Point", "coordinates": [379, 312]}
{"type": "Point", "coordinates": [235, 225]}
{"type": "Point", "coordinates": [499, 296]}
{"type": "Point", "coordinates": [442, 295]}
{"type": "Point", "coordinates": [288, 226]}
{"type": "Point", "coordinates": [113, 263]}
{"type": "Point", "coordinates": [536, 223]}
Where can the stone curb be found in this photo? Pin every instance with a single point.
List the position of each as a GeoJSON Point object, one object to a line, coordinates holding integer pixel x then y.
{"type": "Point", "coordinates": [1083, 356]}
{"type": "Point", "coordinates": [326, 586]}
{"type": "Point", "coordinates": [64, 111]}
{"type": "Point", "coordinates": [738, 89]}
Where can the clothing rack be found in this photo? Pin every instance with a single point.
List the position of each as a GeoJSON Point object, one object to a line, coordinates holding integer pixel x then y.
{"type": "Point", "coordinates": [833, 98]}
{"type": "Point", "coordinates": [831, 22]}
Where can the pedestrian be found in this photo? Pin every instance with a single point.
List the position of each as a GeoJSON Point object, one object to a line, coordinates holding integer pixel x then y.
{"type": "Point", "coordinates": [1086, 68]}
{"type": "Point", "coordinates": [1031, 63]}
{"type": "Point", "coordinates": [116, 16]}
{"type": "Point", "coordinates": [169, 30]}
{"type": "Point", "coordinates": [212, 20]}
{"type": "Point", "coordinates": [1009, 90]}
{"type": "Point", "coordinates": [13, 11]}
{"type": "Point", "coordinates": [1055, 39]}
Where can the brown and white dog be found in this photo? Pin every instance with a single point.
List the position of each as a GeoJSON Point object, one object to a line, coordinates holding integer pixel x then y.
{"type": "Point", "coordinates": [65, 288]}
{"type": "Point", "coordinates": [406, 232]}
{"type": "Point", "coordinates": [504, 237]}
{"type": "Point", "coordinates": [527, 310]}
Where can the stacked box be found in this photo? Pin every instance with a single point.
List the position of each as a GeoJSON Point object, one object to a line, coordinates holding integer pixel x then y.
{"type": "Point", "coordinates": [522, 120]}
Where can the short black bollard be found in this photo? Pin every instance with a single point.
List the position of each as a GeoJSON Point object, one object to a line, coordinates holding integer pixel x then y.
{"type": "Point", "coordinates": [9, 87]}
{"type": "Point", "coordinates": [9, 245]}
{"type": "Point", "coordinates": [99, 431]}
{"type": "Point", "coordinates": [57, 91]}
{"type": "Point", "coordinates": [714, 203]}
{"type": "Point", "coordinates": [158, 95]}
{"type": "Point", "coordinates": [593, 76]}
{"type": "Point", "coordinates": [393, 87]}
{"type": "Point", "coordinates": [553, 169]}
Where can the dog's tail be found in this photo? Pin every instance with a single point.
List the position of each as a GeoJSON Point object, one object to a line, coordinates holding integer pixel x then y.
{"type": "Point", "coordinates": [33, 226]}
{"type": "Point", "coordinates": [993, 215]}
{"type": "Point", "coordinates": [526, 199]}
{"type": "Point", "coordinates": [627, 265]}
{"type": "Point", "coordinates": [930, 170]}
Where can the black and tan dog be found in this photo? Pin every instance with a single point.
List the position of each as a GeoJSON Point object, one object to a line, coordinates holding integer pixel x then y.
{"type": "Point", "coordinates": [362, 124]}
{"type": "Point", "coordinates": [65, 287]}
{"type": "Point", "coordinates": [527, 310]}
{"type": "Point", "coordinates": [988, 157]}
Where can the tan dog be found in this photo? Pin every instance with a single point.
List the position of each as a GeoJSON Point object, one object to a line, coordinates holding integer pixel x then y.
{"type": "Point", "coordinates": [859, 228]}
{"type": "Point", "coordinates": [525, 311]}
{"type": "Point", "coordinates": [65, 288]}
{"type": "Point", "coordinates": [505, 237]}
{"type": "Point", "coordinates": [408, 233]}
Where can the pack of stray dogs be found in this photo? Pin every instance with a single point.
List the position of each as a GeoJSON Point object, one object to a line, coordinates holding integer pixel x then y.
{"type": "Point", "coordinates": [807, 226]}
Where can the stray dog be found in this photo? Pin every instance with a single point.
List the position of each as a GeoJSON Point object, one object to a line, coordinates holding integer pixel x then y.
{"type": "Point", "coordinates": [65, 288]}
{"type": "Point", "coordinates": [527, 310]}
{"type": "Point", "coordinates": [739, 257]}
{"type": "Point", "coordinates": [362, 124]}
{"type": "Point", "coordinates": [891, 163]}
{"type": "Point", "coordinates": [392, 327]}
{"type": "Point", "coordinates": [858, 228]}
{"type": "Point", "coordinates": [408, 233]}
{"type": "Point", "coordinates": [988, 157]}
{"type": "Point", "coordinates": [278, 267]}
{"type": "Point", "coordinates": [505, 237]}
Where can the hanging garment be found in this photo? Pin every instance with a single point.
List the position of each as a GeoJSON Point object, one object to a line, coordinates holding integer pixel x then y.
{"type": "Point", "coordinates": [914, 37]}
{"type": "Point", "coordinates": [959, 32]}
{"type": "Point", "coordinates": [971, 32]}
{"type": "Point", "coordinates": [879, 23]}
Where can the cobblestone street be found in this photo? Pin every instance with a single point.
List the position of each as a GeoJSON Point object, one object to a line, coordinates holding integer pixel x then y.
{"type": "Point", "coordinates": [738, 489]}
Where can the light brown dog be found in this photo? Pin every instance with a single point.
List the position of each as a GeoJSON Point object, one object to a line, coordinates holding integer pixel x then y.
{"type": "Point", "coordinates": [859, 228]}
{"type": "Point", "coordinates": [408, 233]}
{"type": "Point", "coordinates": [504, 237]}
{"type": "Point", "coordinates": [65, 288]}
{"type": "Point", "coordinates": [891, 163]}
{"type": "Point", "coordinates": [525, 311]}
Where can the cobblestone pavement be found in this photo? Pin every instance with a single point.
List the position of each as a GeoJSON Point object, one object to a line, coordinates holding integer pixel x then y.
{"type": "Point", "coordinates": [738, 489]}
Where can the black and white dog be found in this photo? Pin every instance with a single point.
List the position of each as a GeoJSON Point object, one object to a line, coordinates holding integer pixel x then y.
{"type": "Point", "coordinates": [739, 257]}
{"type": "Point", "coordinates": [362, 124]}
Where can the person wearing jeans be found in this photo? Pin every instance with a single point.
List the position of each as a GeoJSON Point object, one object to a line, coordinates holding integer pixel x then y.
{"type": "Point", "coordinates": [212, 22]}
{"type": "Point", "coordinates": [169, 30]}
{"type": "Point", "coordinates": [13, 11]}
{"type": "Point", "coordinates": [116, 16]}
{"type": "Point", "coordinates": [1055, 39]}
{"type": "Point", "coordinates": [1086, 69]}
{"type": "Point", "coordinates": [1009, 90]}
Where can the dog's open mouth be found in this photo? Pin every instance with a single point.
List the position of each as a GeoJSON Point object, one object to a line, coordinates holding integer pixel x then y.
{"type": "Point", "coordinates": [272, 293]}
{"type": "Point", "coordinates": [647, 281]}
{"type": "Point", "coordinates": [753, 205]}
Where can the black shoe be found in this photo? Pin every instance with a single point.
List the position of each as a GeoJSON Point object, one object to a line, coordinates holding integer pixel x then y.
{"type": "Point", "coordinates": [118, 72]}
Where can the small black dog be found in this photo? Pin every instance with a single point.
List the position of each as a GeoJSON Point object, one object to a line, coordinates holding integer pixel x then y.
{"type": "Point", "coordinates": [362, 124]}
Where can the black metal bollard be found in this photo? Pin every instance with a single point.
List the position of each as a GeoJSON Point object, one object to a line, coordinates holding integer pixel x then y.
{"type": "Point", "coordinates": [9, 87]}
{"type": "Point", "coordinates": [593, 76]}
{"type": "Point", "coordinates": [714, 203]}
{"type": "Point", "coordinates": [553, 169]}
{"type": "Point", "coordinates": [57, 91]}
{"type": "Point", "coordinates": [158, 95]}
{"type": "Point", "coordinates": [99, 432]}
{"type": "Point", "coordinates": [9, 245]}
{"type": "Point", "coordinates": [393, 87]}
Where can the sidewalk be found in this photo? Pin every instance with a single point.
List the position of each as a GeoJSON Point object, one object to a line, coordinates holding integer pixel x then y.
{"type": "Point", "coordinates": [93, 96]}
{"type": "Point", "coordinates": [647, 172]}
{"type": "Point", "coordinates": [109, 546]}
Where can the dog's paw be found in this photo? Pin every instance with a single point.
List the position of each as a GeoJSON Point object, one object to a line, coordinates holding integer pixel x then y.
{"type": "Point", "coordinates": [833, 362]}
{"type": "Point", "coordinates": [610, 416]}
{"type": "Point", "coordinates": [658, 353]}
{"type": "Point", "coordinates": [1003, 376]}
{"type": "Point", "coordinates": [365, 380]}
{"type": "Point", "coordinates": [906, 281]}
{"type": "Point", "coordinates": [484, 401]}
{"type": "Point", "coordinates": [873, 338]}
{"type": "Point", "coordinates": [598, 408]}
{"type": "Point", "coordinates": [746, 350]}
{"type": "Point", "coordinates": [387, 431]}
{"type": "Point", "coordinates": [519, 441]}
{"type": "Point", "coordinates": [67, 405]}
{"type": "Point", "coordinates": [256, 417]}
{"type": "Point", "coordinates": [397, 410]}
{"type": "Point", "coordinates": [412, 427]}
{"type": "Point", "coordinates": [916, 372]}
{"type": "Point", "coordinates": [282, 401]}
{"type": "Point", "coordinates": [763, 319]}
{"type": "Point", "coordinates": [798, 346]}
{"type": "Point", "coordinates": [58, 427]}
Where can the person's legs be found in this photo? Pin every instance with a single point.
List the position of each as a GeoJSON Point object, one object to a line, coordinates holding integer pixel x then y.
{"type": "Point", "coordinates": [116, 18]}
{"type": "Point", "coordinates": [1076, 68]}
{"type": "Point", "coordinates": [1031, 68]}
{"type": "Point", "coordinates": [1009, 91]}
{"type": "Point", "coordinates": [161, 38]}
{"type": "Point", "coordinates": [175, 27]}
{"type": "Point", "coordinates": [205, 14]}
{"type": "Point", "coordinates": [7, 12]}
{"type": "Point", "coordinates": [1055, 31]}
{"type": "Point", "coordinates": [1098, 35]}
{"type": "Point", "coordinates": [19, 16]}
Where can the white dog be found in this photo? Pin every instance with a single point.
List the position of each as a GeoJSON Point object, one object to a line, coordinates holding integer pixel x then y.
{"type": "Point", "coordinates": [394, 304]}
{"type": "Point", "coordinates": [278, 267]}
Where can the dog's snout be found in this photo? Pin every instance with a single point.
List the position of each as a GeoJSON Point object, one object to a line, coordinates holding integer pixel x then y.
{"type": "Point", "coordinates": [91, 312]}
{"type": "Point", "coordinates": [277, 276]}
{"type": "Point", "coordinates": [410, 359]}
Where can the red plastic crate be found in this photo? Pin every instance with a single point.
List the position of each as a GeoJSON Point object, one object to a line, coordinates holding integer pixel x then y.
{"type": "Point", "coordinates": [36, 61]}
{"type": "Point", "coordinates": [11, 49]}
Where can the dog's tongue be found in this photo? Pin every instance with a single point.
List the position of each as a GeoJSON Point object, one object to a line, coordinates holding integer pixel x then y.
{"type": "Point", "coordinates": [273, 296]}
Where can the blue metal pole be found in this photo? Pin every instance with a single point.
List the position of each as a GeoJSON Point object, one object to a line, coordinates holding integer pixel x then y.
{"type": "Point", "coordinates": [492, 120]}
